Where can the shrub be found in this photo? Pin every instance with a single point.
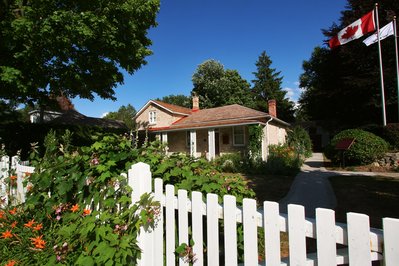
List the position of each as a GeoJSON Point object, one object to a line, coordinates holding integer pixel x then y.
{"type": "Point", "coordinates": [366, 148]}
{"type": "Point", "coordinates": [282, 160]}
{"type": "Point", "coordinates": [230, 163]}
{"type": "Point", "coordinates": [299, 139]}
{"type": "Point", "coordinates": [391, 134]}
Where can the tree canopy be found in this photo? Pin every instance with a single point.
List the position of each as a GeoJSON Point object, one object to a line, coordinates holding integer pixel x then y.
{"type": "Point", "coordinates": [71, 48]}
{"type": "Point", "coordinates": [217, 86]}
{"type": "Point", "coordinates": [178, 99]}
{"type": "Point", "coordinates": [125, 114]}
{"type": "Point", "coordinates": [342, 86]}
{"type": "Point", "coordinates": [267, 86]}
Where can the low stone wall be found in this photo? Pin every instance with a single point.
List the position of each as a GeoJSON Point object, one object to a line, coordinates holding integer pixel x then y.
{"type": "Point", "coordinates": [390, 159]}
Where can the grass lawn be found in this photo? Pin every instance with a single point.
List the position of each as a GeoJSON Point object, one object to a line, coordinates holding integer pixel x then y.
{"type": "Point", "coordinates": [270, 187]}
{"type": "Point", "coordinates": [376, 196]}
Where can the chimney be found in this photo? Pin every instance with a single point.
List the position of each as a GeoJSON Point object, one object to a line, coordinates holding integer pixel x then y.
{"type": "Point", "coordinates": [195, 103]}
{"type": "Point", "coordinates": [272, 107]}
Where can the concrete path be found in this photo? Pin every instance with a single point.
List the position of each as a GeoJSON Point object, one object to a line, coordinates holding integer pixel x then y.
{"type": "Point", "coordinates": [312, 189]}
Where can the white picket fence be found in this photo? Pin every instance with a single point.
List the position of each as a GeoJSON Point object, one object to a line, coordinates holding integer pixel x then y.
{"type": "Point", "coordinates": [362, 243]}
{"type": "Point", "coordinates": [18, 168]}
{"type": "Point", "coordinates": [186, 218]}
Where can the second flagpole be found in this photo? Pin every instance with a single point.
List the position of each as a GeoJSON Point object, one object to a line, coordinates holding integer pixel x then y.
{"type": "Point", "coordinates": [384, 118]}
{"type": "Point", "coordinates": [396, 57]}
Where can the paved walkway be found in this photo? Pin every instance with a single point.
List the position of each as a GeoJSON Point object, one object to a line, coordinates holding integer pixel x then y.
{"type": "Point", "coordinates": [312, 189]}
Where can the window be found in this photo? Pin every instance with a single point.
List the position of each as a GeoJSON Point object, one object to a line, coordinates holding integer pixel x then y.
{"type": "Point", "coordinates": [152, 117]}
{"type": "Point", "coordinates": [238, 136]}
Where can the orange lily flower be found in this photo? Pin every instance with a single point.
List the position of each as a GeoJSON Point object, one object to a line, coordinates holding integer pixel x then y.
{"type": "Point", "coordinates": [2, 213]}
{"type": "Point", "coordinates": [75, 208]}
{"type": "Point", "coordinates": [6, 234]}
{"type": "Point", "coordinates": [38, 227]}
{"type": "Point", "coordinates": [13, 211]}
{"type": "Point", "coordinates": [13, 177]}
{"type": "Point", "coordinates": [11, 263]}
{"type": "Point", "coordinates": [30, 223]}
{"type": "Point", "coordinates": [86, 212]}
{"type": "Point", "coordinates": [38, 242]}
{"type": "Point", "coordinates": [14, 224]}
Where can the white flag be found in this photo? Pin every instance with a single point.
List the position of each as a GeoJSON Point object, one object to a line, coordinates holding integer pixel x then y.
{"type": "Point", "coordinates": [385, 31]}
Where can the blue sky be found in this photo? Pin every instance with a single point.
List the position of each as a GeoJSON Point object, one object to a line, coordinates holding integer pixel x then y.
{"type": "Point", "coordinates": [233, 32]}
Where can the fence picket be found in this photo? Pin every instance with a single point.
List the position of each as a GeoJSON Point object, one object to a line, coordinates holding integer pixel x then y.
{"type": "Point", "coordinates": [197, 215]}
{"type": "Point", "coordinates": [212, 213]}
{"type": "Point", "coordinates": [296, 234]}
{"type": "Point", "coordinates": [271, 222]}
{"type": "Point", "coordinates": [391, 241]}
{"type": "Point", "coordinates": [358, 239]}
{"type": "Point", "coordinates": [183, 222]}
{"type": "Point", "coordinates": [230, 230]}
{"type": "Point", "coordinates": [326, 243]}
{"type": "Point", "coordinates": [170, 225]}
{"type": "Point", "coordinates": [250, 232]}
{"type": "Point", "coordinates": [158, 231]}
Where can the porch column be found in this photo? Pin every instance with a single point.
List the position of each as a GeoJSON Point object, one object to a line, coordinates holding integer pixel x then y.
{"type": "Point", "coordinates": [158, 136]}
{"type": "Point", "coordinates": [211, 144]}
{"type": "Point", "coordinates": [193, 143]}
{"type": "Point", "coordinates": [165, 141]}
{"type": "Point", "coordinates": [164, 137]}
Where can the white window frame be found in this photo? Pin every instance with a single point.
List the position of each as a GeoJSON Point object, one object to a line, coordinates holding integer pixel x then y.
{"type": "Point", "coordinates": [238, 134]}
{"type": "Point", "coordinates": [152, 117]}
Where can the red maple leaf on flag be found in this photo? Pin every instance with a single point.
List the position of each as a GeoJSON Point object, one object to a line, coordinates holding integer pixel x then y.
{"type": "Point", "coordinates": [350, 31]}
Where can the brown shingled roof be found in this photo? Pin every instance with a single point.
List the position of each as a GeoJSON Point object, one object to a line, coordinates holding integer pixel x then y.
{"type": "Point", "coordinates": [218, 115]}
{"type": "Point", "coordinates": [174, 108]}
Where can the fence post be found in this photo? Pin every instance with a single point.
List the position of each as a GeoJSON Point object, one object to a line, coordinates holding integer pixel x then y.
{"type": "Point", "coordinates": [139, 179]}
{"type": "Point", "coordinates": [4, 172]}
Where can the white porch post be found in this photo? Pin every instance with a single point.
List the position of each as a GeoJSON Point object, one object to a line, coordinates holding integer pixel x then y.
{"type": "Point", "coordinates": [211, 144]}
{"type": "Point", "coordinates": [193, 143]}
{"type": "Point", "coordinates": [165, 141]}
{"type": "Point", "coordinates": [158, 136]}
{"type": "Point", "coordinates": [164, 137]}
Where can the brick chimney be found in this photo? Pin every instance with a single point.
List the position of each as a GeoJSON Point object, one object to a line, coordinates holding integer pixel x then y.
{"type": "Point", "coordinates": [272, 107]}
{"type": "Point", "coordinates": [195, 103]}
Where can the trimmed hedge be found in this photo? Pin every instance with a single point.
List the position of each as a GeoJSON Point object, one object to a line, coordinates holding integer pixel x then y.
{"type": "Point", "coordinates": [365, 150]}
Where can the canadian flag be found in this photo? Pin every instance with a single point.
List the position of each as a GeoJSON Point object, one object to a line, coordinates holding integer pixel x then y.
{"type": "Point", "coordinates": [354, 31]}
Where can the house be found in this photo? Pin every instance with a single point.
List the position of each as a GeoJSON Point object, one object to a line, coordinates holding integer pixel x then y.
{"type": "Point", "coordinates": [209, 132]}
{"type": "Point", "coordinates": [66, 114]}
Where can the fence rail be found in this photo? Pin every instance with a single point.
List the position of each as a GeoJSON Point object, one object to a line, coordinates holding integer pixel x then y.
{"type": "Point", "coordinates": [195, 216]}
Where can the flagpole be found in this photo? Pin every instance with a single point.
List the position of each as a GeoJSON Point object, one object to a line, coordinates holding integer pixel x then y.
{"type": "Point", "coordinates": [384, 118]}
{"type": "Point", "coordinates": [396, 57]}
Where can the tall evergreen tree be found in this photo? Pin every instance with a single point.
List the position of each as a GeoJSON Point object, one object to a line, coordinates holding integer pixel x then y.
{"type": "Point", "coordinates": [267, 86]}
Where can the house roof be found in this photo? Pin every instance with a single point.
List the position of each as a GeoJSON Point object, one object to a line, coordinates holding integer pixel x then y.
{"type": "Point", "coordinates": [171, 108]}
{"type": "Point", "coordinates": [220, 116]}
{"type": "Point", "coordinates": [73, 117]}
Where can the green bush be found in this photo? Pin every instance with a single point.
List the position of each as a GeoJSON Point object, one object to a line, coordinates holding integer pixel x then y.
{"type": "Point", "coordinates": [230, 163]}
{"type": "Point", "coordinates": [282, 160]}
{"type": "Point", "coordinates": [391, 134]}
{"type": "Point", "coordinates": [70, 233]}
{"type": "Point", "coordinates": [366, 148]}
{"type": "Point", "coordinates": [299, 139]}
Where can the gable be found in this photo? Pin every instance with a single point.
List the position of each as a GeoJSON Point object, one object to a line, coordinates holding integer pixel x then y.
{"type": "Point", "coordinates": [156, 114]}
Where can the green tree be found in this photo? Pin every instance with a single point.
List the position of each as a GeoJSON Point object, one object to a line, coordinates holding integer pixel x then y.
{"type": "Point", "coordinates": [267, 86]}
{"type": "Point", "coordinates": [217, 86]}
{"type": "Point", "coordinates": [125, 114]}
{"type": "Point", "coordinates": [71, 48]}
{"type": "Point", "coordinates": [342, 86]}
{"type": "Point", "coordinates": [178, 99]}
